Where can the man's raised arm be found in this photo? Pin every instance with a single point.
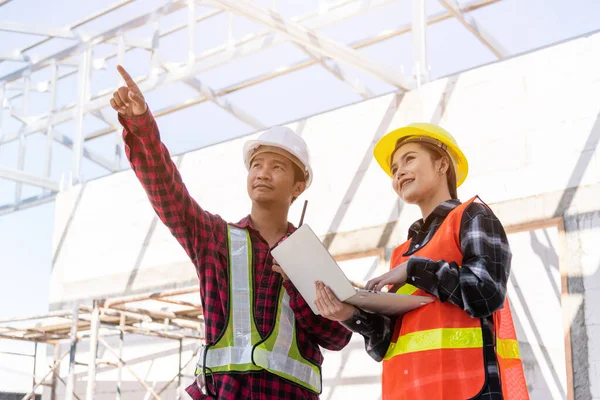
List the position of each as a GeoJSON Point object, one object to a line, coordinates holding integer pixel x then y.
{"type": "Point", "coordinates": [154, 168]}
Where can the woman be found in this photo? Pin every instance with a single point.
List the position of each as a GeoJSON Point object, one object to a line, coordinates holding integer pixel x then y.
{"type": "Point", "coordinates": [463, 344]}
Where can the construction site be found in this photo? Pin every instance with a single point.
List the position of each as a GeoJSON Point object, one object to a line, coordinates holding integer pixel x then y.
{"type": "Point", "coordinates": [122, 316]}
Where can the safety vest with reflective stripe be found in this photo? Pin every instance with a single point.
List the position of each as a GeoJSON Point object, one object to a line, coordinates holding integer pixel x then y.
{"type": "Point", "coordinates": [437, 350]}
{"type": "Point", "coordinates": [240, 347]}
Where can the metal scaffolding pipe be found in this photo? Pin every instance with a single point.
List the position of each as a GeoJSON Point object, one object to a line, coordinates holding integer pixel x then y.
{"type": "Point", "coordinates": [121, 342]}
{"type": "Point", "coordinates": [52, 314]}
{"type": "Point", "coordinates": [72, 351]}
{"type": "Point", "coordinates": [131, 371]}
{"type": "Point", "coordinates": [179, 374]}
{"type": "Point", "coordinates": [34, 365]}
{"type": "Point", "coordinates": [179, 385]}
{"type": "Point", "coordinates": [130, 299]}
{"type": "Point", "coordinates": [55, 373]}
{"type": "Point", "coordinates": [56, 364]}
{"type": "Point", "coordinates": [91, 383]}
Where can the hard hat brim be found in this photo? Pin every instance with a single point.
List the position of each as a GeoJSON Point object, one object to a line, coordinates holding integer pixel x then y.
{"type": "Point", "coordinates": [251, 145]}
{"type": "Point", "coordinates": [387, 144]}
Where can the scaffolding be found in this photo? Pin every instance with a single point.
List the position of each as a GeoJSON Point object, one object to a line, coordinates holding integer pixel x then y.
{"type": "Point", "coordinates": [81, 53]}
{"type": "Point", "coordinates": [170, 314]}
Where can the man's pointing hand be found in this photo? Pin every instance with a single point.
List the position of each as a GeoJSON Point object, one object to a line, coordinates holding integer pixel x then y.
{"type": "Point", "coordinates": [128, 100]}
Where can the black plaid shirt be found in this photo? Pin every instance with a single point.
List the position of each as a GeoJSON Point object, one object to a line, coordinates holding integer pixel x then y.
{"type": "Point", "coordinates": [478, 287]}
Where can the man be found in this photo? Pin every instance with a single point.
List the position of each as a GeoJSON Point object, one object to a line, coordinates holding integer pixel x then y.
{"type": "Point", "coordinates": [262, 339]}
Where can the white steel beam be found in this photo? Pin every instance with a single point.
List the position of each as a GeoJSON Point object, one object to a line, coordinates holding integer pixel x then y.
{"type": "Point", "coordinates": [22, 138]}
{"type": "Point", "coordinates": [256, 42]}
{"type": "Point", "coordinates": [90, 155]}
{"type": "Point", "coordinates": [98, 14]}
{"type": "Point", "coordinates": [13, 56]}
{"type": "Point", "coordinates": [313, 40]}
{"type": "Point", "coordinates": [224, 104]}
{"type": "Point", "coordinates": [475, 28]}
{"type": "Point", "coordinates": [419, 31]}
{"type": "Point", "coordinates": [83, 87]}
{"type": "Point", "coordinates": [36, 29]}
{"type": "Point", "coordinates": [191, 31]}
{"type": "Point", "coordinates": [50, 129]}
{"type": "Point", "coordinates": [132, 41]}
{"type": "Point", "coordinates": [29, 179]}
{"type": "Point", "coordinates": [108, 118]}
{"type": "Point", "coordinates": [259, 41]}
{"type": "Point", "coordinates": [214, 58]}
{"type": "Point", "coordinates": [27, 203]}
{"type": "Point", "coordinates": [2, 101]}
{"type": "Point", "coordinates": [339, 72]}
{"type": "Point", "coordinates": [167, 8]}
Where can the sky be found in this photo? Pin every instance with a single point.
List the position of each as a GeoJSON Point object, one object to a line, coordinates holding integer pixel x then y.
{"type": "Point", "coordinates": [26, 236]}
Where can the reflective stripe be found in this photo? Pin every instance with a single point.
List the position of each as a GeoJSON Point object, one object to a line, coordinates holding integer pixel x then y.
{"type": "Point", "coordinates": [407, 289]}
{"type": "Point", "coordinates": [287, 327]}
{"type": "Point", "coordinates": [295, 370]}
{"type": "Point", "coordinates": [278, 360]}
{"type": "Point", "coordinates": [240, 288]}
{"type": "Point", "coordinates": [508, 348]}
{"type": "Point", "coordinates": [220, 357]}
{"type": "Point", "coordinates": [442, 338]}
{"type": "Point", "coordinates": [240, 316]}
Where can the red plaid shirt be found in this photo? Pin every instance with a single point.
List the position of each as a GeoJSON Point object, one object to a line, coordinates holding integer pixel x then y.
{"type": "Point", "coordinates": [204, 237]}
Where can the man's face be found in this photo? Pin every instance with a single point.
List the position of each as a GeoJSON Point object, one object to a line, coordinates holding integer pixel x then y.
{"type": "Point", "coordinates": [271, 180]}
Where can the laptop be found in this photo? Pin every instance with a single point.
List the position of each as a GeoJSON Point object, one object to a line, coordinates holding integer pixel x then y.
{"type": "Point", "coordinates": [304, 259]}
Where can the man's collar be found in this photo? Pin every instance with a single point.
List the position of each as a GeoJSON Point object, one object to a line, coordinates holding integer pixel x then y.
{"type": "Point", "coordinates": [246, 223]}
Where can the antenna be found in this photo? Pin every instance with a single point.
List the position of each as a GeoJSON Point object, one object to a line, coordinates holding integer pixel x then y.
{"type": "Point", "coordinates": [303, 212]}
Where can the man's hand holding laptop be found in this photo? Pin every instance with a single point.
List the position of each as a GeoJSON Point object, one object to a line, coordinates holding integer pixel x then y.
{"type": "Point", "coordinates": [330, 306]}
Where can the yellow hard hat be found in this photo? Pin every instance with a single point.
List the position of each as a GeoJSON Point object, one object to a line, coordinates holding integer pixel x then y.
{"type": "Point", "coordinates": [387, 144]}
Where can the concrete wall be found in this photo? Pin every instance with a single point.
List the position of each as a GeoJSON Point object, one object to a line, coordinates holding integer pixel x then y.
{"type": "Point", "coordinates": [529, 126]}
{"type": "Point", "coordinates": [535, 295]}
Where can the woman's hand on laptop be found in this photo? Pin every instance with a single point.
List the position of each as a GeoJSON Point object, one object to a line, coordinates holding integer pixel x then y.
{"type": "Point", "coordinates": [330, 306]}
{"type": "Point", "coordinates": [396, 276]}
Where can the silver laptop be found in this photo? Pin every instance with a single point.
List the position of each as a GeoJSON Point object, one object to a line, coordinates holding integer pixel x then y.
{"type": "Point", "coordinates": [305, 260]}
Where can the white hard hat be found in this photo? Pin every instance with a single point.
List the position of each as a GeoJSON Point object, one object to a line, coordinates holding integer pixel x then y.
{"type": "Point", "coordinates": [286, 139]}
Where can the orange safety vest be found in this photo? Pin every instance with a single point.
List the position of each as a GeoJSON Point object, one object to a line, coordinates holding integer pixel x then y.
{"type": "Point", "coordinates": [436, 351]}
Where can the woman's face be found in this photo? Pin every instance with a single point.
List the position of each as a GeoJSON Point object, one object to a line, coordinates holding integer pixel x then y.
{"type": "Point", "coordinates": [416, 177]}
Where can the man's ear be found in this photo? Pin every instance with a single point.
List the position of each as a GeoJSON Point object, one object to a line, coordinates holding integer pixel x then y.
{"type": "Point", "coordinates": [299, 188]}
